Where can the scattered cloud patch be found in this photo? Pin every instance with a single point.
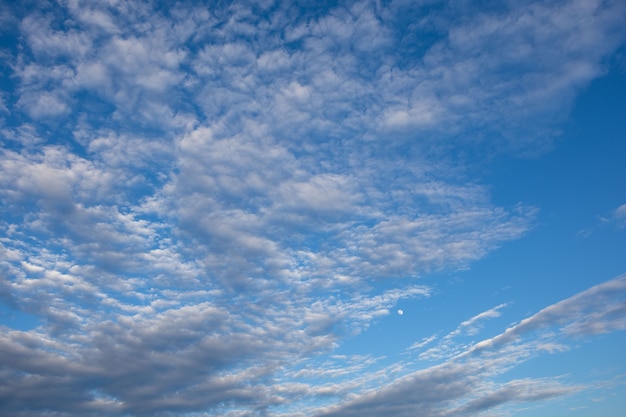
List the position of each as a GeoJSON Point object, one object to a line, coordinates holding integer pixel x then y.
{"type": "Point", "coordinates": [620, 216]}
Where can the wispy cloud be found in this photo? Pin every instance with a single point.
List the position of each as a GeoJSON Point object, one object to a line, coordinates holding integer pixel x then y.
{"type": "Point", "coordinates": [447, 347]}
{"type": "Point", "coordinates": [620, 216]}
{"type": "Point", "coordinates": [464, 383]}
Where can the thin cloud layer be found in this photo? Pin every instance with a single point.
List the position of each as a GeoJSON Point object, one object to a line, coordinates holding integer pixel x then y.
{"type": "Point", "coordinates": [200, 204]}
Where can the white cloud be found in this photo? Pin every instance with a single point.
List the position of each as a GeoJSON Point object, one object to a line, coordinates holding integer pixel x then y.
{"type": "Point", "coordinates": [48, 43]}
{"type": "Point", "coordinates": [44, 105]}
{"type": "Point", "coordinates": [469, 325]}
{"type": "Point", "coordinates": [594, 311]}
{"type": "Point", "coordinates": [421, 114]}
{"type": "Point", "coordinates": [620, 215]}
{"type": "Point", "coordinates": [448, 346]}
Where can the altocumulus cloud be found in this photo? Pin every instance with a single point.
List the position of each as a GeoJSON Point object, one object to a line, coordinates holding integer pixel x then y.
{"type": "Point", "coordinates": [199, 203]}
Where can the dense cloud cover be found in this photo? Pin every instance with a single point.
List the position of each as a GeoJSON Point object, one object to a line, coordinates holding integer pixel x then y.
{"type": "Point", "coordinates": [200, 202]}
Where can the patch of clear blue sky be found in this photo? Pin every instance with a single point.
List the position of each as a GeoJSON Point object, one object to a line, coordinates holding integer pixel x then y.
{"type": "Point", "coordinates": [577, 188]}
{"type": "Point", "coordinates": [15, 318]}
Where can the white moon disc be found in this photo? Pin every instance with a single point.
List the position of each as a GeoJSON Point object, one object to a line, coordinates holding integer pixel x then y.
{"type": "Point", "coordinates": [400, 312]}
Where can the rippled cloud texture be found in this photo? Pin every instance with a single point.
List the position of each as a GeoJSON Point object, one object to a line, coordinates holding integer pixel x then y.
{"type": "Point", "coordinates": [200, 203]}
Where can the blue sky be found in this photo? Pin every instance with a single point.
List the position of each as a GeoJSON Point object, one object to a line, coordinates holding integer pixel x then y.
{"type": "Point", "coordinates": [219, 209]}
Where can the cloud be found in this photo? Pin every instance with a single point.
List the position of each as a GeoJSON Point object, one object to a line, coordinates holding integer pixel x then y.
{"type": "Point", "coordinates": [595, 311]}
{"type": "Point", "coordinates": [43, 106]}
{"type": "Point", "coordinates": [517, 391]}
{"type": "Point", "coordinates": [446, 347]}
{"type": "Point", "coordinates": [200, 204]}
{"type": "Point", "coordinates": [464, 383]}
{"type": "Point", "coordinates": [616, 219]}
{"type": "Point", "coordinates": [470, 324]}
{"type": "Point", "coordinates": [620, 216]}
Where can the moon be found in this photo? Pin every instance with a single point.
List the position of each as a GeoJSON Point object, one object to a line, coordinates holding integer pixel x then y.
{"type": "Point", "coordinates": [400, 312]}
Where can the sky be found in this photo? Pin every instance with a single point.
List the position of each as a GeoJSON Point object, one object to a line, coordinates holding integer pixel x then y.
{"type": "Point", "coordinates": [312, 209]}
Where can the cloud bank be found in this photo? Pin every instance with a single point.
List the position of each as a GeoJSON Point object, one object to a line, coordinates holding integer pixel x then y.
{"type": "Point", "coordinates": [200, 203]}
